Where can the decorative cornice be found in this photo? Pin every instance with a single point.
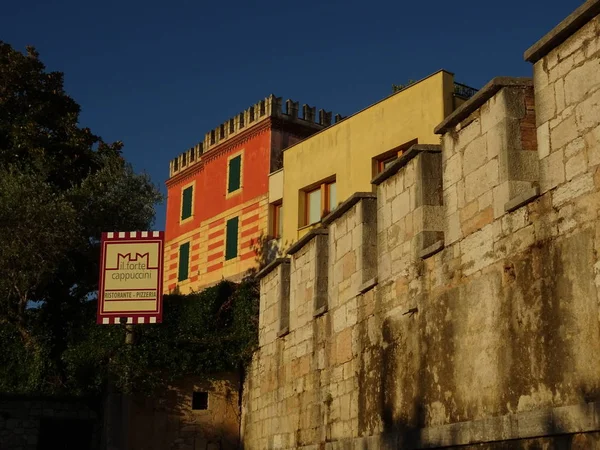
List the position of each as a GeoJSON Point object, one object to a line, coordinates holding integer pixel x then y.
{"type": "Point", "coordinates": [219, 150]}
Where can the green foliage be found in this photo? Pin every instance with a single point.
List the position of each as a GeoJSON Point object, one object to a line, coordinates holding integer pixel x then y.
{"type": "Point", "coordinates": [399, 87]}
{"type": "Point", "coordinates": [60, 187]}
{"type": "Point", "coordinates": [202, 333]}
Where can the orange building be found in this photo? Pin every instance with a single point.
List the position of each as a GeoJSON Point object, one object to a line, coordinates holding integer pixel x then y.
{"type": "Point", "coordinates": [217, 202]}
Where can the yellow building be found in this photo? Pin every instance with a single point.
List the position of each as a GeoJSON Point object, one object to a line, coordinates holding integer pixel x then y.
{"type": "Point", "coordinates": [325, 169]}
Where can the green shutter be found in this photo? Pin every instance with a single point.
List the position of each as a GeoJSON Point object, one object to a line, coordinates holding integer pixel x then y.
{"type": "Point", "coordinates": [231, 244]}
{"type": "Point", "coordinates": [184, 261]}
{"type": "Point", "coordinates": [235, 165]}
{"type": "Point", "coordinates": [186, 207]}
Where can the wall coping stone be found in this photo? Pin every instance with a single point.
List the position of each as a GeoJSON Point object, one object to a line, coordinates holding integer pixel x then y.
{"type": "Point", "coordinates": [482, 96]}
{"type": "Point", "coordinates": [564, 30]}
{"type": "Point", "coordinates": [271, 266]}
{"type": "Point", "coordinates": [413, 151]}
{"type": "Point", "coordinates": [523, 199]}
{"type": "Point", "coordinates": [294, 248]}
{"type": "Point", "coordinates": [367, 285]}
{"type": "Point", "coordinates": [432, 249]}
{"type": "Point", "coordinates": [346, 205]}
{"type": "Point", "coordinates": [539, 423]}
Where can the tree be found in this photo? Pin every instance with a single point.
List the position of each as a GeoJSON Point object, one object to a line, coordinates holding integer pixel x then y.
{"type": "Point", "coordinates": [60, 187]}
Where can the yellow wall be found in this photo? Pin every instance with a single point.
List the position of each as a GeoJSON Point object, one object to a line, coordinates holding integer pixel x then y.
{"type": "Point", "coordinates": [347, 149]}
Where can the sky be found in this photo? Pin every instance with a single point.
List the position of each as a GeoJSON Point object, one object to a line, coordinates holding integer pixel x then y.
{"type": "Point", "coordinates": [158, 75]}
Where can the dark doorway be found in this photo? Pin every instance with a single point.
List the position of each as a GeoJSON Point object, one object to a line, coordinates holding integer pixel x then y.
{"type": "Point", "coordinates": [65, 434]}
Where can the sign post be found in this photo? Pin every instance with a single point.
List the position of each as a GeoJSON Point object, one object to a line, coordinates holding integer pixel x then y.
{"type": "Point", "coordinates": [129, 292]}
{"type": "Point", "coordinates": [131, 278]}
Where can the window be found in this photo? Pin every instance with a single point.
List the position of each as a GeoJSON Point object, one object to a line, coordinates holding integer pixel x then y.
{"type": "Point", "coordinates": [184, 261]}
{"type": "Point", "coordinates": [231, 239]}
{"type": "Point", "coordinates": [384, 164]}
{"type": "Point", "coordinates": [200, 401]}
{"type": "Point", "coordinates": [313, 206]}
{"type": "Point", "coordinates": [276, 223]}
{"type": "Point", "coordinates": [234, 177]}
{"type": "Point", "coordinates": [320, 202]}
{"type": "Point", "coordinates": [384, 160]}
{"type": "Point", "coordinates": [186, 202]}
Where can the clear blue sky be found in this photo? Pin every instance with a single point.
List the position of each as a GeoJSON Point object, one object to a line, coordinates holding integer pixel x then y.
{"type": "Point", "coordinates": [159, 74]}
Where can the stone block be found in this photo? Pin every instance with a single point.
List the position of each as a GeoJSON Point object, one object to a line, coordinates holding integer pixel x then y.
{"type": "Point", "coordinates": [575, 165]}
{"type": "Point", "coordinates": [559, 93]}
{"type": "Point", "coordinates": [452, 229]}
{"type": "Point", "coordinates": [540, 76]}
{"type": "Point", "coordinates": [552, 171]}
{"type": "Point", "coordinates": [466, 134]}
{"type": "Point", "coordinates": [580, 81]}
{"type": "Point", "coordinates": [474, 155]}
{"type": "Point", "coordinates": [574, 147]}
{"type": "Point", "coordinates": [563, 133]}
{"type": "Point", "coordinates": [481, 180]}
{"type": "Point", "coordinates": [588, 111]}
{"type": "Point", "coordinates": [453, 170]}
{"type": "Point", "coordinates": [469, 210]}
{"type": "Point", "coordinates": [400, 206]}
{"type": "Point", "coordinates": [477, 222]}
{"type": "Point", "coordinates": [545, 104]}
{"type": "Point", "coordinates": [507, 191]}
{"type": "Point", "coordinates": [573, 189]}
{"type": "Point", "coordinates": [451, 199]}
{"type": "Point", "coordinates": [592, 142]}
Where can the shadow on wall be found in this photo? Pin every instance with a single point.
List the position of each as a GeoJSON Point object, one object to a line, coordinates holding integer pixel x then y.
{"type": "Point", "coordinates": [413, 370]}
{"type": "Point", "coordinates": [193, 415]}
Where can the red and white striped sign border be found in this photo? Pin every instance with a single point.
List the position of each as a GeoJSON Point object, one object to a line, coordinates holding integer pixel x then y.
{"type": "Point", "coordinates": [135, 318]}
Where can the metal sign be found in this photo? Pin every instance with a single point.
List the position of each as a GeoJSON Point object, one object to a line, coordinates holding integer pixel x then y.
{"type": "Point", "coordinates": [131, 277]}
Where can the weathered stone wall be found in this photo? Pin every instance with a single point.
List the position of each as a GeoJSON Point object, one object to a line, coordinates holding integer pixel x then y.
{"type": "Point", "coordinates": [34, 423]}
{"type": "Point", "coordinates": [167, 420]}
{"type": "Point", "coordinates": [462, 304]}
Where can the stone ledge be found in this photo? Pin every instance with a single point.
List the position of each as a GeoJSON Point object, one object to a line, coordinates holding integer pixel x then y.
{"type": "Point", "coordinates": [563, 420]}
{"type": "Point", "coordinates": [306, 239]}
{"type": "Point", "coordinates": [271, 266]}
{"type": "Point", "coordinates": [367, 286]}
{"type": "Point", "coordinates": [432, 249]}
{"type": "Point", "coordinates": [320, 311]}
{"type": "Point", "coordinates": [344, 207]}
{"type": "Point", "coordinates": [482, 96]}
{"type": "Point", "coordinates": [284, 331]}
{"type": "Point", "coordinates": [563, 31]}
{"type": "Point", "coordinates": [522, 200]}
{"type": "Point", "coordinates": [413, 151]}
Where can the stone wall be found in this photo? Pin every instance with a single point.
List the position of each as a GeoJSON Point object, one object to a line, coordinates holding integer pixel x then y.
{"type": "Point", "coordinates": [28, 423]}
{"type": "Point", "coordinates": [168, 421]}
{"type": "Point", "coordinates": [461, 305]}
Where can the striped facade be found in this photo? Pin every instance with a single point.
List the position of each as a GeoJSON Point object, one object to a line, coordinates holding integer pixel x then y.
{"type": "Point", "coordinates": [218, 194]}
{"type": "Point", "coordinates": [207, 248]}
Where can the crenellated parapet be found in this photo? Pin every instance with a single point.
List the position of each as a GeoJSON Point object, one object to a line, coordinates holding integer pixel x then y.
{"type": "Point", "coordinates": [269, 107]}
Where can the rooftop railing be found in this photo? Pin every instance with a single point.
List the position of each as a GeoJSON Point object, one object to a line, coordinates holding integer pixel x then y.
{"type": "Point", "coordinates": [464, 91]}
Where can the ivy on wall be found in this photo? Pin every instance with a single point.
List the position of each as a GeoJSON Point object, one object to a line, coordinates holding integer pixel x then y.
{"type": "Point", "coordinates": [202, 333]}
